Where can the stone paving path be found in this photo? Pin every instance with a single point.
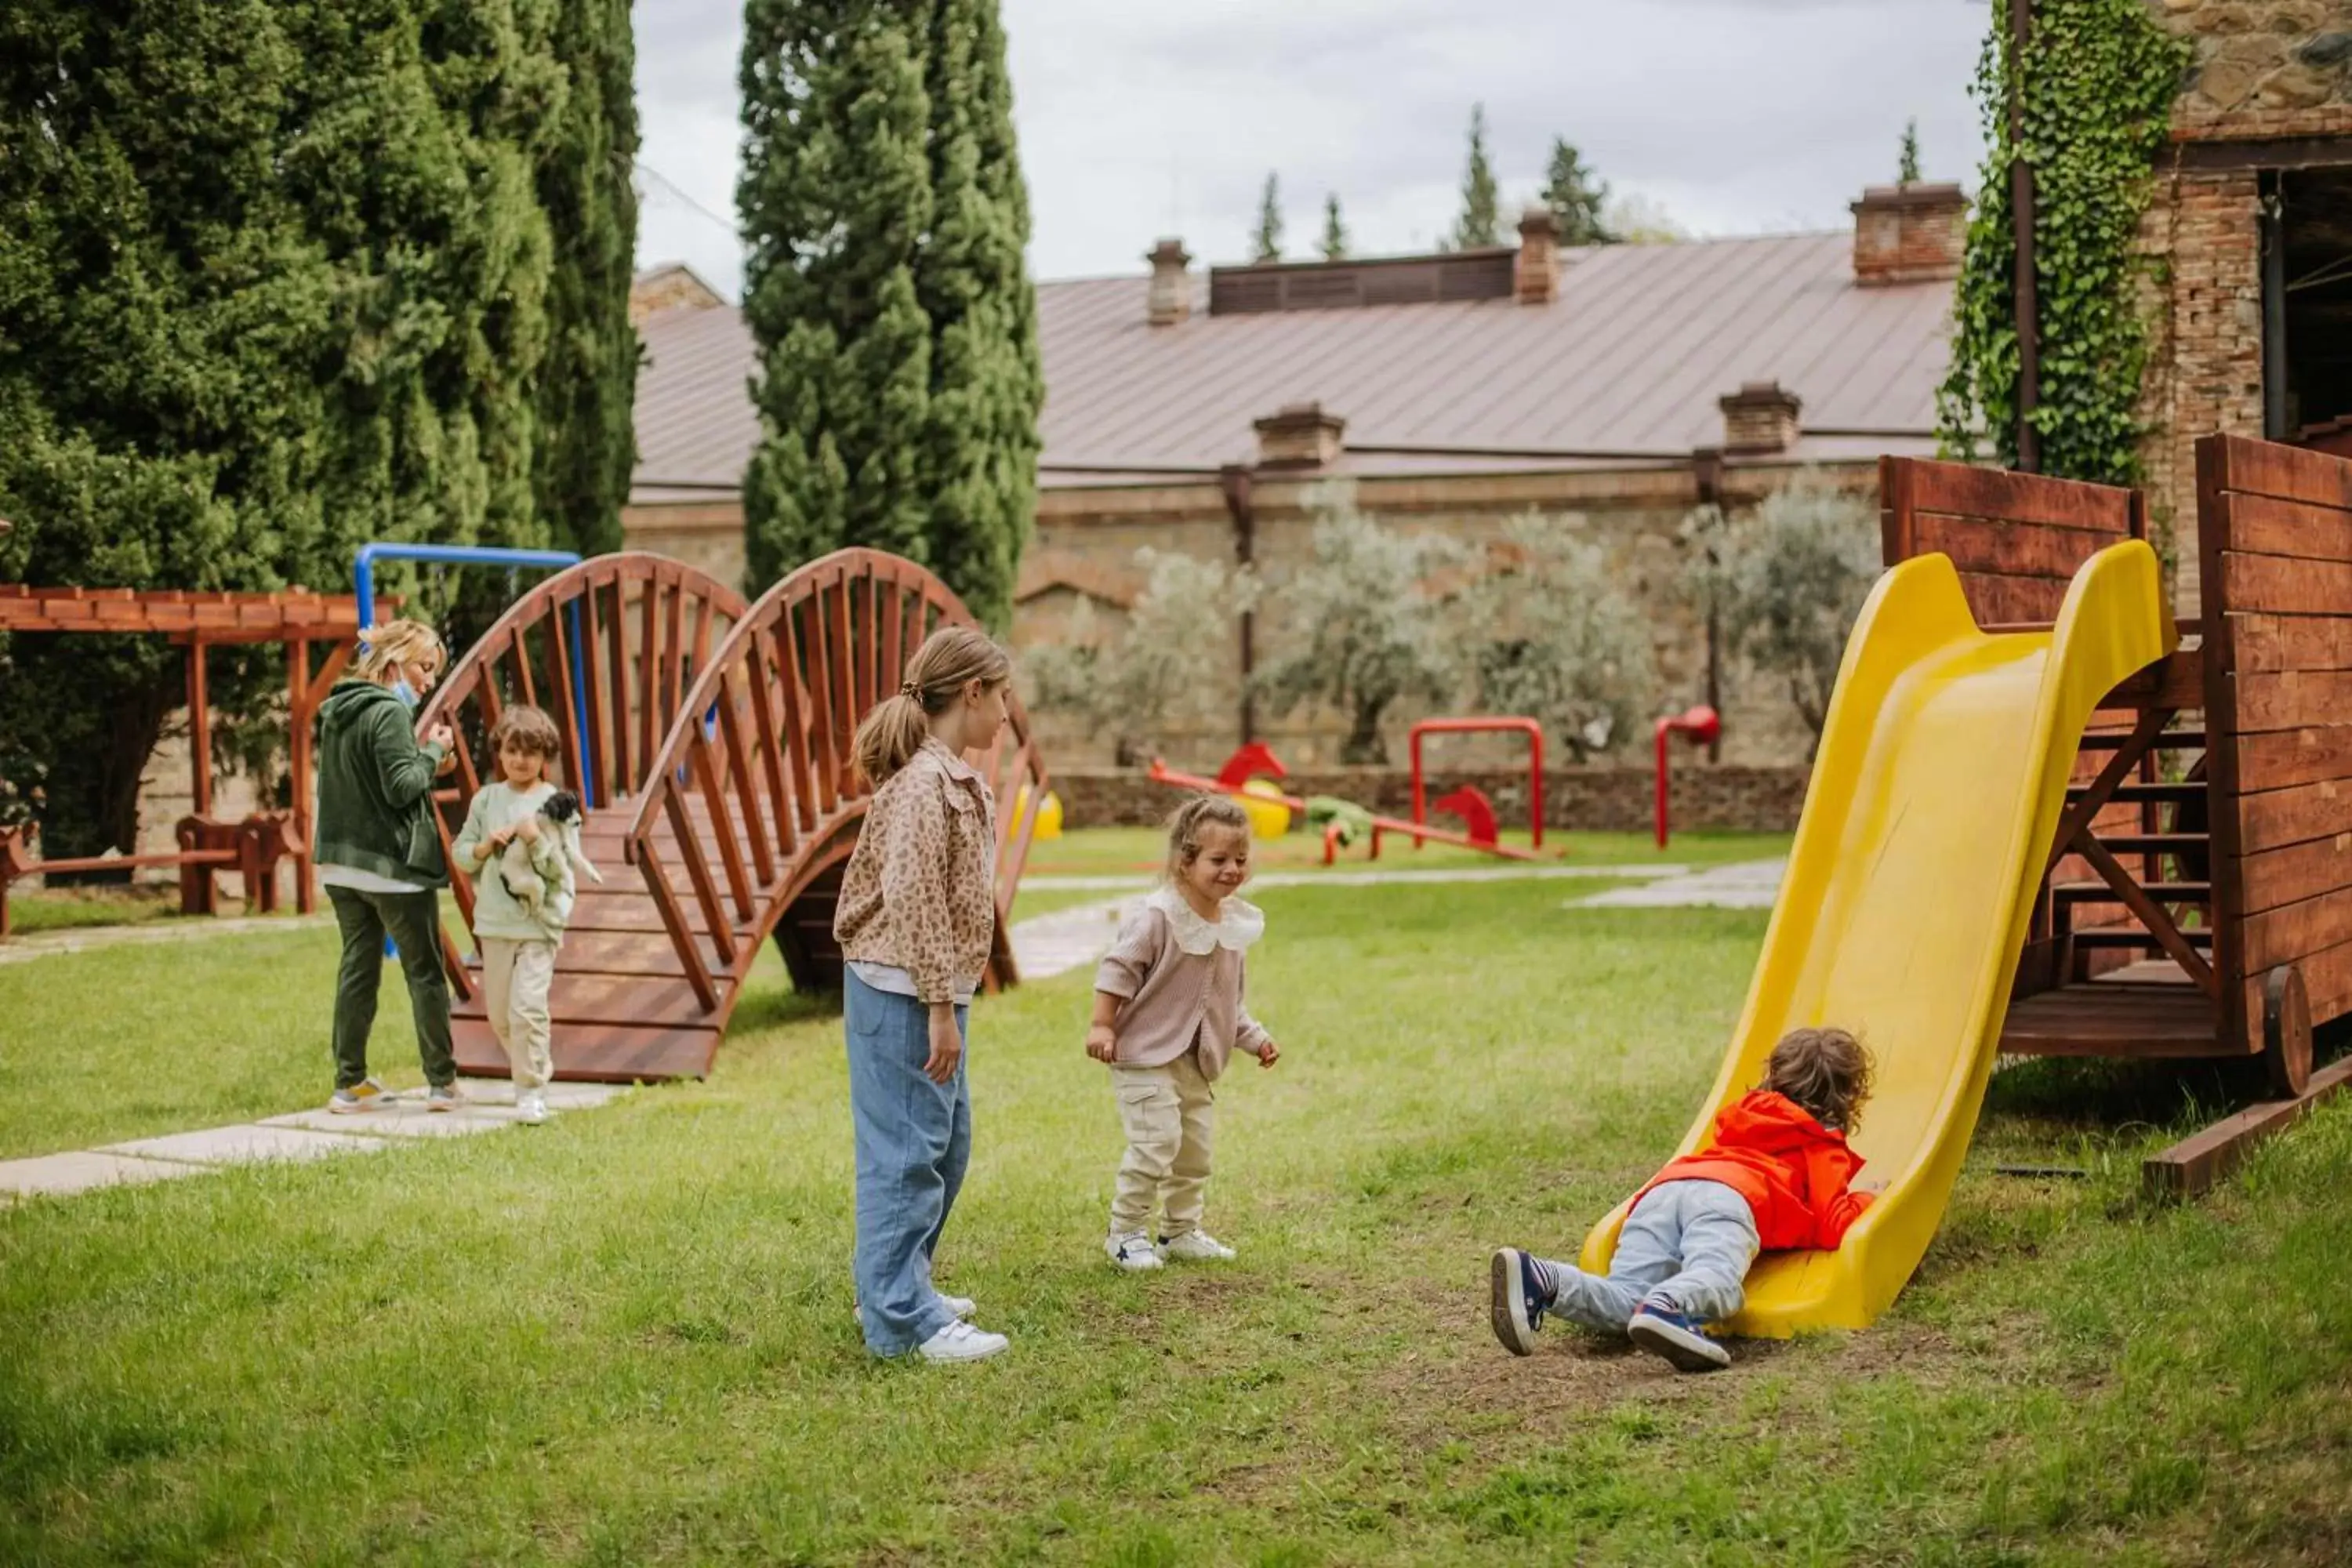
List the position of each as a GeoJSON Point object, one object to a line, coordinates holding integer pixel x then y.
{"type": "Point", "coordinates": [1742, 885]}
{"type": "Point", "coordinates": [1043, 946]}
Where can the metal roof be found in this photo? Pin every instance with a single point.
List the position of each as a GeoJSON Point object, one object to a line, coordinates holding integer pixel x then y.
{"type": "Point", "coordinates": [1630, 358]}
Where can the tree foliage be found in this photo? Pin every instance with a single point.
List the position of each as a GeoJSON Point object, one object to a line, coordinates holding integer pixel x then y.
{"type": "Point", "coordinates": [1334, 244]}
{"type": "Point", "coordinates": [1577, 196]}
{"type": "Point", "coordinates": [1481, 222]}
{"type": "Point", "coordinates": [274, 280]}
{"type": "Point", "coordinates": [1374, 631]}
{"type": "Point", "coordinates": [1553, 638]}
{"type": "Point", "coordinates": [1907, 166]}
{"type": "Point", "coordinates": [887, 290]}
{"type": "Point", "coordinates": [1169, 665]}
{"type": "Point", "coordinates": [1266, 243]}
{"type": "Point", "coordinates": [2097, 94]}
{"type": "Point", "coordinates": [1786, 581]}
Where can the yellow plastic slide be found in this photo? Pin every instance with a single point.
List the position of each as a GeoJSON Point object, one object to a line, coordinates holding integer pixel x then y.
{"type": "Point", "coordinates": [1936, 796]}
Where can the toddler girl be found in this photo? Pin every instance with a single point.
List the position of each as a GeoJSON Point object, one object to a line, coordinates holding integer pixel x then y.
{"type": "Point", "coordinates": [1168, 1014]}
{"type": "Point", "coordinates": [520, 907]}
{"type": "Point", "coordinates": [1775, 1177]}
{"type": "Point", "coordinates": [915, 920]}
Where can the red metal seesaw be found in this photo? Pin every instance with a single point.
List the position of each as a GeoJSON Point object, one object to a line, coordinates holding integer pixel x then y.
{"type": "Point", "coordinates": [1162, 774]}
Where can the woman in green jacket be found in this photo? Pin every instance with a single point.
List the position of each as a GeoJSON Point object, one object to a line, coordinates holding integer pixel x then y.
{"type": "Point", "coordinates": [378, 854]}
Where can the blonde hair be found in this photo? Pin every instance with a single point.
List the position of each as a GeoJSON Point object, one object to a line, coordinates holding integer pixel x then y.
{"type": "Point", "coordinates": [395, 642]}
{"type": "Point", "coordinates": [534, 729]}
{"type": "Point", "coordinates": [1826, 1071]}
{"type": "Point", "coordinates": [1185, 823]}
{"type": "Point", "coordinates": [949, 658]}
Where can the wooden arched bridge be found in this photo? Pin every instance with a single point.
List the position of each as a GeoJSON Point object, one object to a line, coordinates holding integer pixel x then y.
{"type": "Point", "coordinates": [710, 741]}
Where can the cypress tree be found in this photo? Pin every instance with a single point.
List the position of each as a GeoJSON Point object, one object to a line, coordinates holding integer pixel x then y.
{"type": "Point", "coordinates": [883, 204]}
{"type": "Point", "coordinates": [587, 384]}
{"type": "Point", "coordinates": [1335, 231]}
{"type": "Point", "coordinates": [1907, 171]}
{"type": "Point", "coordinates": [275, 283]}
{"type": "Point", "coordinates": [1265, 244]}
{"type": "Point", "coordinates": [1576, 197]}
{"type": "Point", "coordinates": [1481, 221]}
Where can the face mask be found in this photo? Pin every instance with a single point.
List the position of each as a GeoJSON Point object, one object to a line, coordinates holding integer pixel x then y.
{"type": "Point", "coordinates": [405, 693]}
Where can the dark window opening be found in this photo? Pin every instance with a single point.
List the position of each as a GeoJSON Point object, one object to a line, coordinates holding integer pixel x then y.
{"type": "Point", "coordinates": [2307, 306]}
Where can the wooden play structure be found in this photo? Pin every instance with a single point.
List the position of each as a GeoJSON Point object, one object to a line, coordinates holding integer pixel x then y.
{"type": "Point", "coordinates": [715, 738]}
{"type": "Point", "coordinates": [2197, 902]}
{"type": "Point", "coordinates": [254, 846]}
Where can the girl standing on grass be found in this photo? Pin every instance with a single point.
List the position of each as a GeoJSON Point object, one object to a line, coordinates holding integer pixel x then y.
{"type": "Point", "coordinates": [1168, 1013]}
{"type": "Point", "coordinates": [378, 854]}
{"type": "Point", "coordinates": [520, 907]}
{"type": "Point", "coordinates": [914, 921]}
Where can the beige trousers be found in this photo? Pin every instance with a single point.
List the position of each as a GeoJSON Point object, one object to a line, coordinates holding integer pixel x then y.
{"type": "Point", "coordinates": [515, 978]}
{"type": "Point", "coordinates": [1170, 1114]}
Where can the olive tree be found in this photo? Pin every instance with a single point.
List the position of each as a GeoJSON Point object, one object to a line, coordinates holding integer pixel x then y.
{"type": "Point", "coordinates": [1554, 638]}
{"type": "Point", "coordinates": [1786, 581]}
{"type": "Point", "coordinates": [1170, 664]}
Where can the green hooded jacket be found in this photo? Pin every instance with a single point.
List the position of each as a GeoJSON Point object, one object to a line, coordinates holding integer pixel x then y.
{"type": "Point", "coordinates": [375, 787]}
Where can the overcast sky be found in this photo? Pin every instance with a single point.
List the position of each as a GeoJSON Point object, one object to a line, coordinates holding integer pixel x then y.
{"type": "Point", "coordinates": [1140, 118]}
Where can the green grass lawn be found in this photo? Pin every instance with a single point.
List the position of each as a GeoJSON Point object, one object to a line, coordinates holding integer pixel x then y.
{"type": "Point", "coordinates": [626, 1337]}
{"type": "Point", "coordinates": [1143, 850]}
{"type": "Point", "coordinates": [66, 909]}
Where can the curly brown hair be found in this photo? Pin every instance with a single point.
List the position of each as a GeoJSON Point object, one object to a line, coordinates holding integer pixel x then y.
{"type": "Point", "coordinates": [1826, 1071]}
{"type": "Point", "coordinates": [534, 728]}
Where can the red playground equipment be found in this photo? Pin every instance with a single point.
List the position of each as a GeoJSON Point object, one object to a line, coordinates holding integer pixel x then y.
{"type": "Point", "coordinates": [1476, 812]}
{"type": "Point", "coordinates": [1254, 761]}
{"type": "Point", "coordinates": [1702, 726]}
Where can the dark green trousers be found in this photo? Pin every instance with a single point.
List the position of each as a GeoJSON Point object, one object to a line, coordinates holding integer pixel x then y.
{"type": "Point", "coordinates": [412, 921]}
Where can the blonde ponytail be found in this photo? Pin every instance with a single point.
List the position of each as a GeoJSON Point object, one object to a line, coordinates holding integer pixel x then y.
{"type": "Point", "coordinates": [950, 659]}
{"type": "Point", "coordinates": [393, 644]}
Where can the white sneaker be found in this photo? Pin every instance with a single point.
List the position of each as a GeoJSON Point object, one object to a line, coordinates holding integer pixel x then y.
{"type": "Point", "coordinates": [1196, 1247]}
{"type": "Point", "coordinates": [530, 1108]}
{"type": "Point", "coordinates": [957, 1306]}
{"type": "Point", "coordinates": [1133, 1251]}
{"type": "Point", "coordinates": [961, 1341]}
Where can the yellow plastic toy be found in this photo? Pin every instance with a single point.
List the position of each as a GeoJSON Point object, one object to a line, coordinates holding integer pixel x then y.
{"type": "Point", "coordinates": [1049, 814]}
{"type": "Point", "coordinates": [1269, 818]}
{"type": "Point", "coordinates": [1941, 778]}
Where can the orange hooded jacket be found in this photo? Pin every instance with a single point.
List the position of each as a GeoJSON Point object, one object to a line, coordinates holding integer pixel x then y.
{"type": "Point", "coordinates": [1792, 1170]}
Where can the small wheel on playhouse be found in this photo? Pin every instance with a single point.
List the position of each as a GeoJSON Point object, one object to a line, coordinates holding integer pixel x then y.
{"type": "Point", "coordinates": [2286, 1031]}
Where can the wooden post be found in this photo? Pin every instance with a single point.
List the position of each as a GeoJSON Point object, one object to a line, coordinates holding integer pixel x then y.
{"type": "Point", "coordinates": [1233, 480]}
{"type": "Point", "coordinates": [200, 736]}
{"type": "Point", "coordinates": [2021, 221]}
{"type": "Point", "coordinates": [297, 764]}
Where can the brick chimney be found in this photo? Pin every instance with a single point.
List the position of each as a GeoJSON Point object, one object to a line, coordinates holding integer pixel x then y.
{"type": "Point", "coordinates": [1299, 437]}
{"type": "Point", "coordinates": [1171, 286]}
{"type": "Point", "coordinates": [1535, 274]}
{"type": "Point", "coordinates": [1760, 418]}
{"type": "Point", "coordinates": [1910, 234]}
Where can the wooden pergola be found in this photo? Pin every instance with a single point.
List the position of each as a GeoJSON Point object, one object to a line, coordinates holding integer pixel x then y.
{"type": "Point", "coordinates": [295, 618]}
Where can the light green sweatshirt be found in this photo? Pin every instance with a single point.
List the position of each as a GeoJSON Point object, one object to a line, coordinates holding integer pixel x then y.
{"type": "Point", "coordinates": [496, 910]}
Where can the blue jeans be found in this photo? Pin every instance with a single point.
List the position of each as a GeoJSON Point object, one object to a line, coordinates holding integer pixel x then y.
{"type": "Point", "coordinates": [914, 1140]}
{"type": "Point", "coordinates": [1686, 1243]}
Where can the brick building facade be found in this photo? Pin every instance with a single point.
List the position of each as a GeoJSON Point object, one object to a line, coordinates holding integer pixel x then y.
{"type": "Point", "coordinates": [2253, 201]}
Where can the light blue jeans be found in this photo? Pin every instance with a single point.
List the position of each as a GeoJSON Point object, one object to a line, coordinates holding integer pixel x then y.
{"type": "Point", "coordinates": [1686, 1245]}
{"type": "Point", "coordinates": [914, 1140]}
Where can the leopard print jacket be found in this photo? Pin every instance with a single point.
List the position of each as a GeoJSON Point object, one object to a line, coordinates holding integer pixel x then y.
{"type": "Point", "coordinates": [920, 894]}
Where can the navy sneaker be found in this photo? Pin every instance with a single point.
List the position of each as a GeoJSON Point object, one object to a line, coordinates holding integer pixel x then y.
{"type": "Point", "coordinates": [1657, 1327]}
{"type": "Point", "coordinates": [1519, 1299]}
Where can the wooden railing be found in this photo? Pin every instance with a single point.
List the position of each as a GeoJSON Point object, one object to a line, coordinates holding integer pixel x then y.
{"type": "Point", "coordinates": [608, 648]}
{"type": "Point", "coordinates": [752, 799]}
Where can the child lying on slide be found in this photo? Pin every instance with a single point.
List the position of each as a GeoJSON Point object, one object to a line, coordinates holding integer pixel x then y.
{"type": "Point", "coordinates": [1777, 1175]}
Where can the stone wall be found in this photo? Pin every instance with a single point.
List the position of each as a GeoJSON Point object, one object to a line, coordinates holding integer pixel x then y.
{"type": "Point", "coordinates": [1085, 551]}
{"type": "Point", "coordinates": [2264, 68]}
{"type": "Point", "coordinates": [1756, 799]}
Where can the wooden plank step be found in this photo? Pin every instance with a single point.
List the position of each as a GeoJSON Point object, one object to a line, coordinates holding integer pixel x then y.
{"type": "Point", "coordinates": [2132, 936]}
{"type": "Point", "coordinates": [606, 1054]}
{"type": "Point", "coordinates": [2162, 892]}
{"type": "Point", "coordinates": [2170, 741]}
{"type": "Point", "coordinates": [2155, 843]}
{"type": "Point", "coordinates": [615, 999]}
{"type": "Point", "coordinates": [2156, 792]}
{"type": "Point", "coordinates": [2195, 1163]}
{"type": "Point", "coordinates": [2114, 1021]}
